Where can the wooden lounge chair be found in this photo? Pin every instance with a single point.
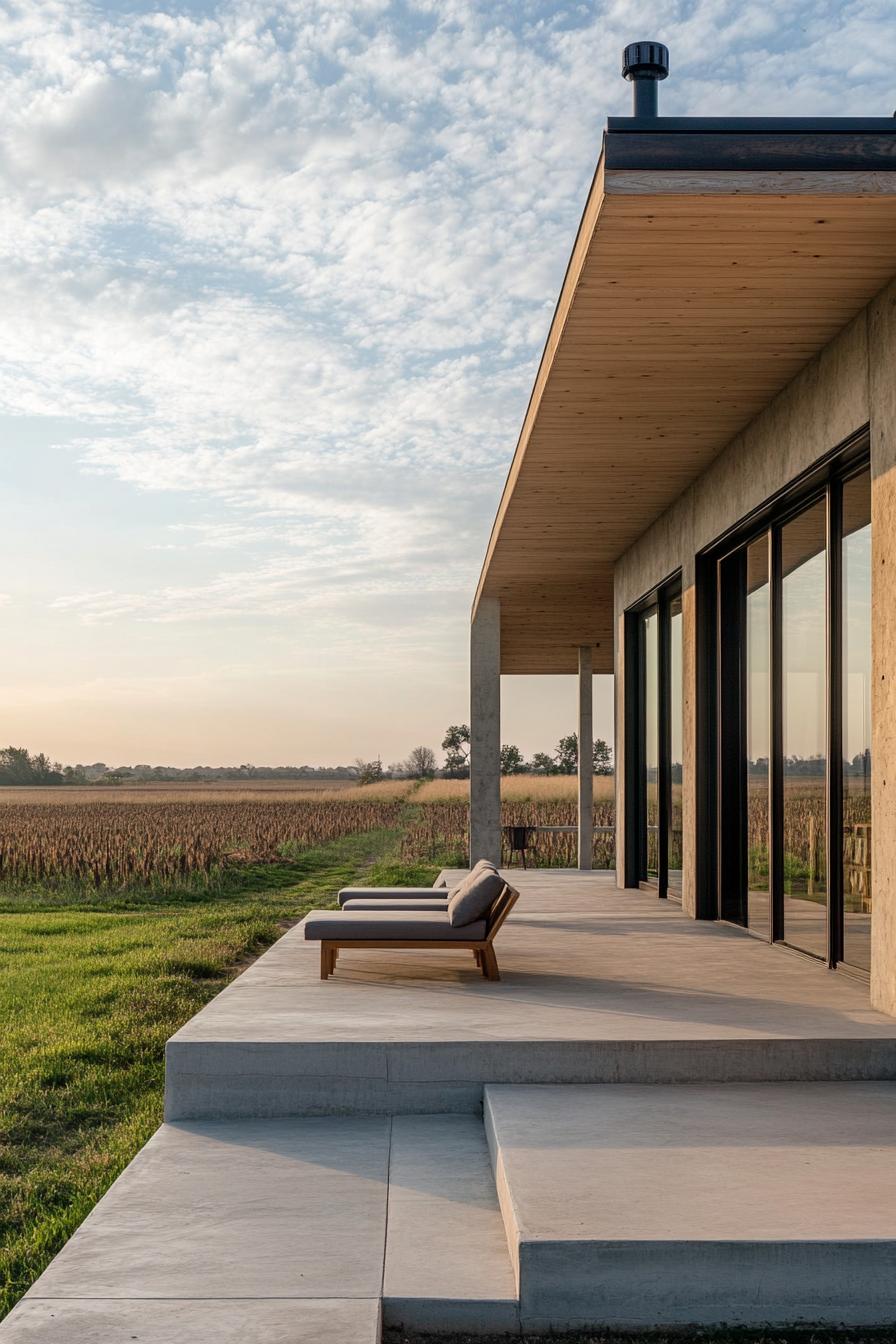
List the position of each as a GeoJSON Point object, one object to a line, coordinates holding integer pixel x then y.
{"type": "Point", "coordinates": [423, 929]}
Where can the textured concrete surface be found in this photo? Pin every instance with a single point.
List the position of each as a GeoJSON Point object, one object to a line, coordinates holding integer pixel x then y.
{"type": "Point", "coordinates": [822, 406]}
{"type": "Point", "coordinates": [249, 1210]}
{"type": "Point", "coordinates": [882, 393]}
{"type": "Point", "coordinates": [699, 1204]}
{"type": "Point", "coordinates": [598, 985]}
{"type": "Point", "coordinates": [287, 1231]}
{"type": "Point", "coordinates": [68, 1321]}
{"type": "Point", "coordinates": [485, 732]}
{"type": "Point", "coordinates": [447, 1261]}
{"type": "Point", "coordinates": [267, 1230]}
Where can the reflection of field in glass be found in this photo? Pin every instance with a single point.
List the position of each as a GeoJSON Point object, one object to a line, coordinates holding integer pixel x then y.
{"type": "Point", "coordinates": [804, 838]}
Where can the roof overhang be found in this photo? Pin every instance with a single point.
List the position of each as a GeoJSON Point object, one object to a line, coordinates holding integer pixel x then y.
{"type": "Point", "coordinates": [713, 260]}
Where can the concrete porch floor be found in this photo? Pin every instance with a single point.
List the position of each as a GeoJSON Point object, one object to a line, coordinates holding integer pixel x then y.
{"type": "Point", "coordinates": [248, 1217]}
{"type": "Point", "coordinates": [599, 985]}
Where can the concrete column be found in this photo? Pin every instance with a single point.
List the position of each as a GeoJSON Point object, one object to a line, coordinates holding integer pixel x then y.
{"type": "Point", "coordinates": [882, 390]}
{"type": "Point", "coordinates": [485, 732]}
{"type": "Point", "coordinates": [586, 766]}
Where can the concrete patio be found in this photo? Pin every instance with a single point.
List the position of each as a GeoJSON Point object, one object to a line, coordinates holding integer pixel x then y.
{"type": "Point", "coordinates": [599, 985]}
{"type": "Point", "coordinates": [408, 1144]}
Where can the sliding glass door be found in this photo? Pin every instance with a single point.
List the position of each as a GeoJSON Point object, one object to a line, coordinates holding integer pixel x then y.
{"type": "Point", "coordinates": [856, 730]}
{"type": "Point", "coordinates": [675, 753]}
{"type": "Point", "coordinates": [758, 728]}
{"type": "Point", "coordinates": [650, 839]}
{"type": "Point", "coordinates": [654, 828]}
{"type": "Point", "coordinates": [794, 773]}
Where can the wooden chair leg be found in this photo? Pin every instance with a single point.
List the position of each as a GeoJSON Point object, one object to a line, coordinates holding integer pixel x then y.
{"type": "Point", "coordinates": [326, 964]}
{"type": "Point", "coordinates": [477, 956]}
{"type": "Point", "coordinates": [489, 963]}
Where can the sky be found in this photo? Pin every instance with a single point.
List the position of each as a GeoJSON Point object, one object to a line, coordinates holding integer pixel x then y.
{"type": "Point", "coordinates": [275, 279]}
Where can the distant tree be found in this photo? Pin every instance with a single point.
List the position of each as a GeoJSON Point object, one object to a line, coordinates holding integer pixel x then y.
{"type": "Point", "coordinates": [369, 772]}
{"type": "Point", "coordinates": [17, 766]}
{"type": "Point", "coordinates": [566, 754]}
{"type": "Point", "coordinates": [456, 746]}
{"type": "Point", "coordinates": [603, 757]}
{"type": "Point", "coordinates": [542, 764]}
{"type": "Point", "coordinates": [421, 764]}
{"type": "Point", "coordinates": [512, 762]}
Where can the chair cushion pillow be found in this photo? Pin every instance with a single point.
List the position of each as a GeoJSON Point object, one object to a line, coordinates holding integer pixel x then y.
{"type": "Point", "coordinates": [390, 893]}
{"type": "Point", "coordinates": [475, 896]}
{"type": "Point", "coordinates": [402, 903]}
{"type": "Point", "coordinates": [421, 925]}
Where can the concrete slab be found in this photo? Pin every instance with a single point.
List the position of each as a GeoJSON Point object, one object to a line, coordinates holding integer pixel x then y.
{"type": "Point", "coordinates": [259, 1209]}
{"type": "Point", "coordinates": [599, 985]}
{"type": "Point", "coordinates": [698, 1205]}
{"type": "Point", "coordinates": [65, 1321]}
{"type": "Point", "coordinates": [447, 1262]}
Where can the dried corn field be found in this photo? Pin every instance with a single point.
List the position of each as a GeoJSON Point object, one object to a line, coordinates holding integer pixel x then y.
{"type": "Point", "coordinates": [165, 842]}
{"type": "Point", "coordinates": [164, 837]}
{"type": "Point", "coordinates": [439, 831]}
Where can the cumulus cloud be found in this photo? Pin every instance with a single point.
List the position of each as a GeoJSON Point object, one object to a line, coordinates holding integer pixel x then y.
{"type": "Point", "coordinates": [293, 261]}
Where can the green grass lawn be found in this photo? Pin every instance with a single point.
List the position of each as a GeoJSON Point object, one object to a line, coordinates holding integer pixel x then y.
{"type": "Point", "coordinates": [91, 987]}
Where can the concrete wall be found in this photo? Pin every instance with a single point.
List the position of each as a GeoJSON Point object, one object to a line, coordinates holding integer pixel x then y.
{"type": "Point", "coordinates": [882, 398]}
{"type": "Point", "coordinates": [852, 381]}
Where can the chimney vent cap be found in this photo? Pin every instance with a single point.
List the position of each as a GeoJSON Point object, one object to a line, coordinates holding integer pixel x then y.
{"type": "Point", "coordinates": [645, 60]}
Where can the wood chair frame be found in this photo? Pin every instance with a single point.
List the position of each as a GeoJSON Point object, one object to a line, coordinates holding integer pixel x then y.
{"type": "Point", "coordinates": [482, 949]}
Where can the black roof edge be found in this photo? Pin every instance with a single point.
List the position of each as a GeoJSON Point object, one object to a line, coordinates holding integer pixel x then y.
{"type": "Point", "coordinates": [744, 144]}
{"type": "Point", "coordinates": [757, 125]}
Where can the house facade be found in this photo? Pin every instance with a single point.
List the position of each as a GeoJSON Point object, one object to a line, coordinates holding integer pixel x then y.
{"type": "Point", "coordinates": [702, 502]}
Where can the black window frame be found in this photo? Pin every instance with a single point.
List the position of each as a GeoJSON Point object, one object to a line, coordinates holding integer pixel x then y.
{"type": "Point", "coordinates": [720, 671]}
{"type": "Point", "coordinates": [635, 782]}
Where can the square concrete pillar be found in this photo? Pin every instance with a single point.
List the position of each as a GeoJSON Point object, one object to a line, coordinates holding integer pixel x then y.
{"type": "Point", "coordinates": [586, 765]}
{"type": "Point", "coordinates": [485, 732]}
{"type": "Point", "coordinates": [882, 389]}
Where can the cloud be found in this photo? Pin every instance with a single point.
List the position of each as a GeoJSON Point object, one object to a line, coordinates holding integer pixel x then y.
{"type": "Point", "coordinates": [291, 264]}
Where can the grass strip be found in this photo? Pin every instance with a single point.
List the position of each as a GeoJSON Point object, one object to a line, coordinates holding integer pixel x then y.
{"type": "Point", "coordinates": [88, 998]}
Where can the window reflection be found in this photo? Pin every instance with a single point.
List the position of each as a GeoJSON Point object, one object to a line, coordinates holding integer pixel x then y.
{"type": "Point", "coordinates": [758, 728]}
{"type": "Point", "coordinates": [651, 739]}
{"type": "Point", "coordinates": [856, 590]}
{"type": "Point", "coordinates": [675, 747]}
{"type": "Point", "coordinates": [803, 631]}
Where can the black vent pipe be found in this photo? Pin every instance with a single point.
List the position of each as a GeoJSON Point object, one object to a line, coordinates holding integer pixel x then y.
{"type": "Point", "coordinates": [645, 64]}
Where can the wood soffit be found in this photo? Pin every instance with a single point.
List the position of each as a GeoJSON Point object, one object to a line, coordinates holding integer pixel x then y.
{"type": "Point", "coordinates": [691, 299]}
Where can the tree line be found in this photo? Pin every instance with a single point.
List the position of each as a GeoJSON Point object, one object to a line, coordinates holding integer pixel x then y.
{"type": "Point", "coordinates": [422, 762]}
{"type": "Point", "coordinates": [23, 769]}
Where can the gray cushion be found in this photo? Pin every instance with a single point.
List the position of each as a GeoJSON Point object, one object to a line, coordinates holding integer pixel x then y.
{"type": "Point", "coordinates": [475, 896]}
{"type": "Point", "coordinates": [421, 925]}
{"type": "Point", "coordinates": [388, 893]}
{"type": "Point", "coordinates": [404, 903]}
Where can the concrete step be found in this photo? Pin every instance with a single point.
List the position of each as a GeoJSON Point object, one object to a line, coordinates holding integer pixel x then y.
{"type": "Point", "coordinates": [606, 988]}
{"type": "Point", "coordinates": [751, 1204]}
{"type": "Point", "coordinates": [447, 1264]}
{"type": "Point", "coordinates": [304, 1231]}
{"type": "Point", "coordinates": [226, 1232]}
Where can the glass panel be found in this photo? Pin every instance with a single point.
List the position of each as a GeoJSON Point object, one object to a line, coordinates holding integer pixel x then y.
{"type": "Point", "coordinates": [856, 559]}
{"type": "Point", "coordinates": [651, 739]}
{"type": "Point", "coordinates": [675, 740]}
{"type": "Point", "coordinates": [758, 736]}
{"type": "Point", "coordinates": [804, 695]}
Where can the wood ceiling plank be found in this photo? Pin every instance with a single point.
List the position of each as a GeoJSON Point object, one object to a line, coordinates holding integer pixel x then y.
{"type": "Point", "coordinates": [680, 317]}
